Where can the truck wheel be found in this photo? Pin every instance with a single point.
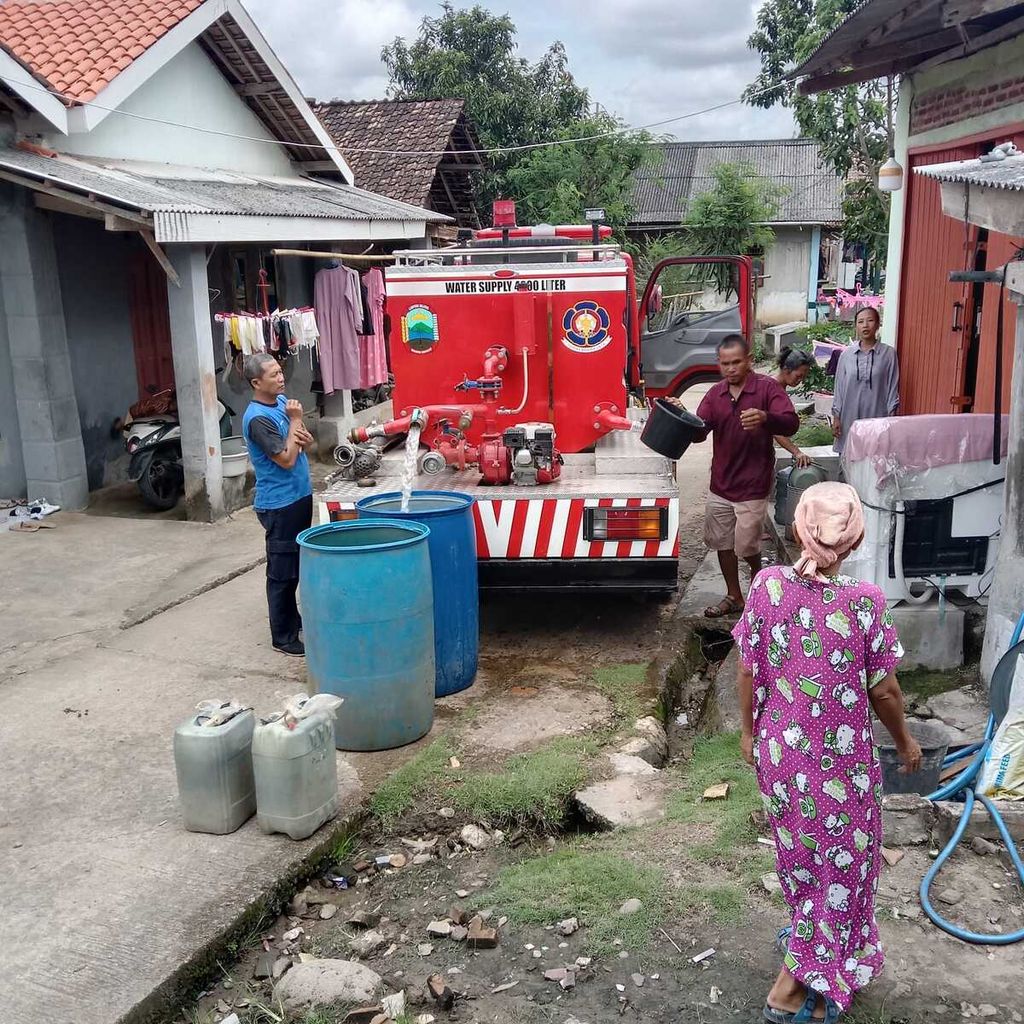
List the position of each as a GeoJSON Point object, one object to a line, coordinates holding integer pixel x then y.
{"type": "Point", "coordinates": [161, 484]}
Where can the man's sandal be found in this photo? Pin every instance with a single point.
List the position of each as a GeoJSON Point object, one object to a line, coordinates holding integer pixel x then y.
{"type": "Point", "coordinates": [727, 606]}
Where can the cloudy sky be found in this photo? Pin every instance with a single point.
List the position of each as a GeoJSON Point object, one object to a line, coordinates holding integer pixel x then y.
{"type": "Point", "coordinates": [645, 60]}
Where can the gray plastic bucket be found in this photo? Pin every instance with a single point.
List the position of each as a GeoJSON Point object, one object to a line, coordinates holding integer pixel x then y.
{"type": "Point", "coordinates": [934, 746]}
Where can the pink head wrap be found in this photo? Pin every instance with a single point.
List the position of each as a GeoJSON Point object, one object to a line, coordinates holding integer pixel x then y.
{"type": "Point", "coordinates": [829, 521]}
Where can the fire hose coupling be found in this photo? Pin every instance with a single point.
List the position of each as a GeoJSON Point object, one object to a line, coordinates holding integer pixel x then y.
{"type": "Point", "coordinates": [607, 417]}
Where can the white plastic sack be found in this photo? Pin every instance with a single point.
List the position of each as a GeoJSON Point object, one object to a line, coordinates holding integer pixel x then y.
{"type": "Point", "coordinates": [1002, 775]}
{"type": "Point", "coordinates": [217, 712]}
{"type": "Point", "coordinates": [302, 706]}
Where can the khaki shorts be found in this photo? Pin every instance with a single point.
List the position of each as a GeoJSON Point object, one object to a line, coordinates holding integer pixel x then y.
{"type": "Point", "coordinates": [734, 525]}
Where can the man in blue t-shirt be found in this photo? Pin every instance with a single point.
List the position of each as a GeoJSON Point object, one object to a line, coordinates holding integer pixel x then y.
{"type": "Point", "coordinates": [276, 438]}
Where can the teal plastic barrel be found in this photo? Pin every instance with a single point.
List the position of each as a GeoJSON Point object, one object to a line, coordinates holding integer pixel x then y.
{"type": "Point", "coordinates": [368, 623]}
{"type": "Point", "coordinates": [453, 564]}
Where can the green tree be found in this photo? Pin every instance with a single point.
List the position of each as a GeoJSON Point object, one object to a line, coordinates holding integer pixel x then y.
{"type": "Point", "coordinates": [471, 54]}
{"type": "Point", "coordinates": [850, 124]}
{"type": "Point", "coordinates": [731, 218]}
{"type": "Point", "coordinates": [556, 183]}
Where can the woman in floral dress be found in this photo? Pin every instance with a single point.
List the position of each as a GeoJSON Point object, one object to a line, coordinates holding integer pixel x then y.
{"type": "Point", "coordinates": [818, 650]}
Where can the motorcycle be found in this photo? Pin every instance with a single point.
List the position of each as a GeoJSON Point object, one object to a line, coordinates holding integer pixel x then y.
{"type": "Point", "coordinates": [152, 437]}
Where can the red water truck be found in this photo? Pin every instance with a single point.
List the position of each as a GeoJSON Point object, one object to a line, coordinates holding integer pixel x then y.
{"type": "Point", "coordinates": [521, 360]}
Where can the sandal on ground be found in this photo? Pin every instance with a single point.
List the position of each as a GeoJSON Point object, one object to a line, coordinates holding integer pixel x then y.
{"type": "Point", "coordinates": [727, 606]}
{"type": "Point", "coordinates": [805, 1015]}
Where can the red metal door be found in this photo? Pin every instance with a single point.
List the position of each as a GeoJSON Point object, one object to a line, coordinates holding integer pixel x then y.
{"type": "Point", "coordinates": [934, 333]}
{"type": "Point", "coordinates": [151, 325]}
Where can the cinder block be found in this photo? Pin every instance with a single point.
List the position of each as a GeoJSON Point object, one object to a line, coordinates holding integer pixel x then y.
{"type": "Point", "coordinates": [932, 637]}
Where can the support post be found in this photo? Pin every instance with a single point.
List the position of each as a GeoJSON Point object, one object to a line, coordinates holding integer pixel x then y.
{"type": "Point", "coordinates": [196, 383]}
{"type": "Point", "coordinates": [812, 275]}
{"type": "Point", "coordinates": [51, 434]}
{"type": "Point", "coordinates": [1006, 598]}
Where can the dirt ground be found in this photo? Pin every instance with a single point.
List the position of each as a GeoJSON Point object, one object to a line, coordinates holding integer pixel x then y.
{"type": "Point", "coordinates": [699, 870]}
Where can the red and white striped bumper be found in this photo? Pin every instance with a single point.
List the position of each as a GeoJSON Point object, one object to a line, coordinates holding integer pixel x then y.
{"type": "Point", "coordinates": [550, 528]}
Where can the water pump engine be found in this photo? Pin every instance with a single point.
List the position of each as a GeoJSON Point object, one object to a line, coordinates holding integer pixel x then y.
{"type": "Point", "coordinates": [525, 455]}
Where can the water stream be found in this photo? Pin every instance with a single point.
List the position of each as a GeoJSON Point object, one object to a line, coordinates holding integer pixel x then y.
{"type": "Point", "coordinates": [412, 451]}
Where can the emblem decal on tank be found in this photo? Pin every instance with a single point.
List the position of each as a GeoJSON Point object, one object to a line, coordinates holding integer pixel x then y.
{"type": "Point", "coordinates": [586, 326]}
{"type": "Point", "coordinates": [419, 329]}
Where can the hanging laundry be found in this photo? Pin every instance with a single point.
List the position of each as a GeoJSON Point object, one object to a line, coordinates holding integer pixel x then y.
{"type": "Point", "coordinates": [338, 316]}
{"type": "Point", "coordinates": [373, 359]}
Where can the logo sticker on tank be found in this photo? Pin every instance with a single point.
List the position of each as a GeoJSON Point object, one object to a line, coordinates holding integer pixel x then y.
{"type": "Point", "coordinates": [419, 329]}
{"type": "Point", "coordinates": [586, 327]}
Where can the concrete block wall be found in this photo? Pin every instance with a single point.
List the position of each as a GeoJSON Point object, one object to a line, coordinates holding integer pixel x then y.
{"type": "Point", "coordinates": [51, 439]}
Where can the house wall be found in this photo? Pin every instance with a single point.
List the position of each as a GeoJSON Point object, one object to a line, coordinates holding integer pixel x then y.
{"type": "Point", "coordinates": [93, 268]}
{"type": "Point", "coordinates": [783, 298]}
{"type": "Point", "coordinates": [189, 90]}
{"type": "Point", "coordinates": [952, 112]}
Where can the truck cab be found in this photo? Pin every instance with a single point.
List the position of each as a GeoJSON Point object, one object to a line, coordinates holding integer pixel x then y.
{"type": "Point", "coordinates": [689, 304]}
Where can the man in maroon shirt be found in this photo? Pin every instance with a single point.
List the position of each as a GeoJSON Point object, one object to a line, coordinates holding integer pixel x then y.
{"type": "Point", "coordinates": [744, 412]}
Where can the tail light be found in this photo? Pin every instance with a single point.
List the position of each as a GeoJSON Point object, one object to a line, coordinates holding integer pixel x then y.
{"type": "Point", "coordinates": [626, 524]}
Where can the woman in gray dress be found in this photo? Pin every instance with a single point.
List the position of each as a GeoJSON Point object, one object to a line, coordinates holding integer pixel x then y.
{"type": "Point", "coordinates": [867, 379]}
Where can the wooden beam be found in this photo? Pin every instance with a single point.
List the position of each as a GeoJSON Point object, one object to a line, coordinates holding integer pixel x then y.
{"type": "Point", "coordinates": [55, 205]}
{"type": "Point", "coordinates": [261, 89]}
{"type": "Point", "coordinates": [161, 258]}
{"type": "Point", "coordinates": [837, 79]}
{"type": "Point", "coordinates": [982, 42]}
{"type": "Point", "coordinates": [956, 12]}
{"type": "Point", "coordinates": [313, 166]}
{"type": "Point", "coordinates": [89, 202]}
{"type": "Point", "coordinates": [317, 255]}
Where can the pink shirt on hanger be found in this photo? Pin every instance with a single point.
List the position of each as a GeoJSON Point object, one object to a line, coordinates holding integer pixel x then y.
{"type": "Point", "coordinates": [373, 369]}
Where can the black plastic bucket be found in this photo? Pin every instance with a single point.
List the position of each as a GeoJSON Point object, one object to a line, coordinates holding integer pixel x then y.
{"type": "Point", "coordinates": [934, 745]}
{"type": "Point", "coordinates": [669, 430]}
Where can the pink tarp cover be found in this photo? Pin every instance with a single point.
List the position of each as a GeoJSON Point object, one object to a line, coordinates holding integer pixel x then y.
{"type": "Point", "coordinates": [923, 442]}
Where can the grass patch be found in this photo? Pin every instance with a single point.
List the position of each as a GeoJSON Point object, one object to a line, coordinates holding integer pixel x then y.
{"type": "Point", "coordinates": [623, 685]}
{"type": "Point", "coordinates": [398, 793]}
{"type": "Point", "coordinates": [924, 683]}
{"type": "Point", "coordinates": [810, 435]}
{"type": "Point", "coordinates": [531, 788]}
{"type": "Point", "coordinates": [590, 885]}
{"type": "Point", "coordinates": [718, 759]}
{"type": "Point", "coordinates": [722, 903]}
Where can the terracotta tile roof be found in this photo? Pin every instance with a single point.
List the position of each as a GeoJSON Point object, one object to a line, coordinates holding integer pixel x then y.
{"type": "Point", "coordinates": [77, 47]}
{"type": "Point", "coordinates": [396, 125]}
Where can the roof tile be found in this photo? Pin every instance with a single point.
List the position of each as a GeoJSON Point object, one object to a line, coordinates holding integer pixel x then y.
{"type": "Point", "coordinates": [409, 125]}
{"type": "Point", "coordinates": [78, 46]}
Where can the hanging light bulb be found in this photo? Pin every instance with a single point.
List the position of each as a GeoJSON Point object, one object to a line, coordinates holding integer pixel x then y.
{"type": "Point", "coordinates": [890, 176]}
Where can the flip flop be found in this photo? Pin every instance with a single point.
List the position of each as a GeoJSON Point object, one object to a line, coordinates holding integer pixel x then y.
{"type": "Point", "coordinates": [782, 939]}
{"type": "Point", "coordinates": [727, 606]}
{"type": "Point", "coordinates": [805, 1015]}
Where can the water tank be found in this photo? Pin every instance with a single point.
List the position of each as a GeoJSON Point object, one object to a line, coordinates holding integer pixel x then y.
{"type": "Point", "coordinates": [214, 768]}
{"type": "Point", "coordinates": [296, 773]}
{"type": "Point", "coordinates": [453, 565]}
{"type": "Point", "coordinates": [368, 623]}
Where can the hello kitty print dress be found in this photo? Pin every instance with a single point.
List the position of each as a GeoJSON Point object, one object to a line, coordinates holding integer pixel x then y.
{"type": "Point", "coordinates": [815, 649]}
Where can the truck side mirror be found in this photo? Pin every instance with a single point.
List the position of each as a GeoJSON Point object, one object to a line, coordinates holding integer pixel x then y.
{"type": "Point", "coordinates": [654, 303]}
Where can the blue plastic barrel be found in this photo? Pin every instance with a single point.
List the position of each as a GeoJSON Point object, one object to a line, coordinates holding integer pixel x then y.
{"type": "Point", "coordinates": [456, 589]}
{"type": "Point", "coordinates": [368, 623]}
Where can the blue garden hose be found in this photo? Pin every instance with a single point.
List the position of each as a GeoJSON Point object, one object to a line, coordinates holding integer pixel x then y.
{"type": "Point", "coordinates": [962, 787]}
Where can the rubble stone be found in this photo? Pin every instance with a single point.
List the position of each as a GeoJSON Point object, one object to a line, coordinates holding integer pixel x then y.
{"type": "Point", "coordinates": [631, 906]}
{"type": "Point", "coordinates": [368, 943]}
{"type": "Point", "coordinates": [325, 982]}
{"type": "Point", "coordinates": [907, 820]}
{"type": "Point", "coordinates": [475, 837]}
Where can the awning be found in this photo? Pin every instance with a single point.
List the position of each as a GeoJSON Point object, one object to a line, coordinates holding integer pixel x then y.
{"type": "Point", "coordinates": [890, 37]}
{"type": "Point", "coordinates": [988, 193]}
{"type": "Point", "coordinates": [191, 204]}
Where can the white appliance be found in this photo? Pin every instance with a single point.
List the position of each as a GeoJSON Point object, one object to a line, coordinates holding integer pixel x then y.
{"type": "Point", "coordinates": [933, 503]}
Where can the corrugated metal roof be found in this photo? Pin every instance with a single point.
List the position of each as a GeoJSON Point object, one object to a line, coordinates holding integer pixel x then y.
{"type": "Point", "coordinates": [194, 190]}
{"type": "Point", "coordinates": [663, 190]}
{"type": "Point", "coordinates": [1005, 174]}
